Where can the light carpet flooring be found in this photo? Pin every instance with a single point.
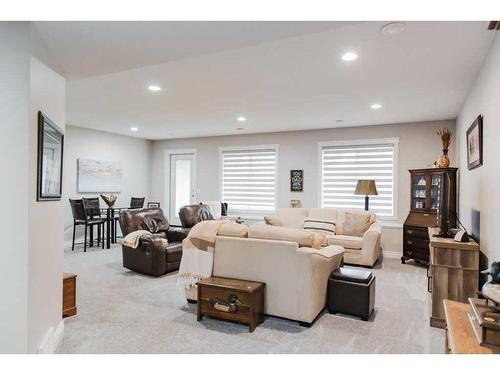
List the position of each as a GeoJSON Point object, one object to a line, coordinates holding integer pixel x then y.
{"type": "Point", "coordinates": [120, 311]}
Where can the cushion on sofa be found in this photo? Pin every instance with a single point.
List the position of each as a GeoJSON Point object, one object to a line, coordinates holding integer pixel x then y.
{"type": "Point", "coordinates": [326, 214]}
{"type": "Point", "coordinates": [273, 220]}
{"type": "Point", "coordinates": [230, 229]}
{"type": "Point", "coordinates": [339, 228]}
{"type": "Point", "coordinates": [356, 224]}
{"type": "Point", "coordinates": [271, 232]}
{"type": "Point", "coordinates": [292, 217]}
{"type": "Point", "coordinates": [320, 226]}
{"type": "Point", "coordinates": [348, 242]}
{"type": "Point", "coordinates": [319, 240]}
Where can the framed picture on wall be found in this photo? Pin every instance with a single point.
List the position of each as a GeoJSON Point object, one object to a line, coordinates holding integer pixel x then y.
{"type": "Point", "coordinates": [296, 180]}
{"type": "Point", "coordinates": [50, 160]}
{"type": "Point", "coordinates": [475, 144]}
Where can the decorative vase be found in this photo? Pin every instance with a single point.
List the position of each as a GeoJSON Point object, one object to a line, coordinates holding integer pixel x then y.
{"type": "Point", "coordinates": [109, 200]}
{"type": "Point", "coordinates": [444, 161]}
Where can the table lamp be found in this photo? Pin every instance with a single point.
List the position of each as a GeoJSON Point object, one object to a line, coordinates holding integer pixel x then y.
{"type": "Point", "coordinates": [366, 188]}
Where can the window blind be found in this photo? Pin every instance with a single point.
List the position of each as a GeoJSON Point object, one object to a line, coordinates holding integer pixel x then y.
{"type": "Point", "coordinates": [343, 166]}
{"type": "Point", "coordinates": [249, 180]}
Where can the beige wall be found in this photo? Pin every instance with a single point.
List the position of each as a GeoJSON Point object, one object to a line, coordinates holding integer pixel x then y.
{"type": "Point", "coordinates": [418, 147]}
{"type": "Point", "coordinates": [133, 153]}
{"type": "Point", "coordinates": [45, 219]}
{"type": "Point", "coordinates": [14, 123]}
{"type": "Point", "coordinates": [480, 187]}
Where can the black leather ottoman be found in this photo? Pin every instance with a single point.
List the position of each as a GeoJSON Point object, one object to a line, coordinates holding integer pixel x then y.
{"type": "Point", "coordinates": [352, 292]}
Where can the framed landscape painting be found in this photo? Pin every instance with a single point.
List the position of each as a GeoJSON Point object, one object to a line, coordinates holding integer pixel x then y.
{"type": "Point", "coordinates": [99, 176]}
{"type": "Point", "coordinates": [475, 144]}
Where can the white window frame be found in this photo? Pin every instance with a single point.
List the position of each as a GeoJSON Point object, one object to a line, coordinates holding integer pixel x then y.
{"type": "Point", "coordinates": [363, 142]}
{"type": "Point", "coordinates": [250, 214]}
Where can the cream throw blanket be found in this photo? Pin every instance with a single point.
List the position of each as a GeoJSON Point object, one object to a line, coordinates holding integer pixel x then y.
{"type": "Point", "coordinates": [133, 238]}
{"type": "Point", "coordinates": [198, 253]}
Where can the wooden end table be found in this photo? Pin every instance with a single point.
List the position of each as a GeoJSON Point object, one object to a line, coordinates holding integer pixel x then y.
{"type": "Point", "coordinates": [231, 299]}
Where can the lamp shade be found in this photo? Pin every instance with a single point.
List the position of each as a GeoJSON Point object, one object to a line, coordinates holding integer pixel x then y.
{"type": "Point", "coordinates": [366, 187]}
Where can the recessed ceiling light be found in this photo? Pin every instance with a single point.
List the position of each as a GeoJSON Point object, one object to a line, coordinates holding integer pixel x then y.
{"type": "Point", "coordinates": [240, 128]}
{"type": "Point", "coordinates": [134, 129]}
{"type": "Point", "coordinates": [349, 56]}
{"type": "Point", "coordinates": [241, 118]}
{"type": "Point", "coordinates": [393, 28]}
{"type": "Point", "coordinates": [154, 88]}
{"type": "Point", "coordinates": [376, 106]}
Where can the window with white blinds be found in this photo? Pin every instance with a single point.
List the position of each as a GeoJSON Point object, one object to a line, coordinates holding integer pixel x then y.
{"type": "Point", "coordinates": [342, 165]}
{"type": "Point", "coordinates": [249, 179]}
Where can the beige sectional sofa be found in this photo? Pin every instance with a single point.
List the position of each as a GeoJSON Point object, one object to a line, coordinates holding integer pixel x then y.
{"type": "Point", "coordinates": [296, 277]}
{"type": "Point", "coordinates": [360, 250]}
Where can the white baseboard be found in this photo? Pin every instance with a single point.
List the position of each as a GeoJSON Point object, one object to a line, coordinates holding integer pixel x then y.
{"type": "Point", "coordinates": [52, 339]}
{"type": "Point", "coordinates": [391, 254]}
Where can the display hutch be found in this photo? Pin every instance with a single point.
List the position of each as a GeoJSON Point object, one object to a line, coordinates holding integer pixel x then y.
{"type": "Point", "coordinates": [425, 193]}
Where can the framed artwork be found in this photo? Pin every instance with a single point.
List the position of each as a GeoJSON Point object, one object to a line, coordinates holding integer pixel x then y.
{"type": "Point", "coordinates": [99, 176]}
{"type": "Point", "coordinates": [50, 160]}
{"type": "Point", "coordinates": [475, 144]}
{"type": "Point", "coordinates": [296, 180]}
{"type": "Point", "coordinates": [153, 204]}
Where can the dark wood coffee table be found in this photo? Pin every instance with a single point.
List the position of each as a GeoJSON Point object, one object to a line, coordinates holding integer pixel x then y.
{"type": "Point", "coordinates": [231, 299]}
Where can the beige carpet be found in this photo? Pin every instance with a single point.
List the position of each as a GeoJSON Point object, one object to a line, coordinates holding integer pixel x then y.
{"type": "Point", "coordinates": [120, 311]}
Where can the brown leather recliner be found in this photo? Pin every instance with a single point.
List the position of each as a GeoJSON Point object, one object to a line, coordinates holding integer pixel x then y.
{"type": "Point", "coordinates": [192, 214]}
{"type": "Point", "coordinates": [151, 257]}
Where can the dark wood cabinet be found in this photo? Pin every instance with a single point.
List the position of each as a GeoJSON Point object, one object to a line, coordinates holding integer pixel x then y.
{"type": "Point", "coordinates": [425, 191]}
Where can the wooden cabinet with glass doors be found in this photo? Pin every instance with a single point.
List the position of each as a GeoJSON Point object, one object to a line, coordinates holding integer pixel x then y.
{"type": "Point", "coordinates": [425, 191]}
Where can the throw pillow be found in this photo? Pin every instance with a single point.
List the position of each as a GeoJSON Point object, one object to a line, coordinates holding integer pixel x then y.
{"type": "Point", "coordinates": [319, 240]}
{"type": "Point", "coordinates": [356, 224]}
{"type": "Point", "coordinates": [327, 228]}
{"type": "Point", "coordinates": [273, 220]}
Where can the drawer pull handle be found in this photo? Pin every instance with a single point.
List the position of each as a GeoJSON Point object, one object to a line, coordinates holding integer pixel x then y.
{"type": "Point", "coordinates": [230, 308]}
{"type": "Point", "coordinates": [409, 231]}
{"type": "Point", "coordinates": [409, 242]}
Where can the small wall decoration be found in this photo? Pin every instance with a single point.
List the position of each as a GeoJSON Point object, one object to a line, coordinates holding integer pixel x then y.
{"type": "Point", "coordinates": [475, 144]}
{"type": "Point", "coordinates": [296, 180]}
{"type": "Point", "coordinates": [50, 160]}
{"type": "Point", "coordinates": [98, 176]}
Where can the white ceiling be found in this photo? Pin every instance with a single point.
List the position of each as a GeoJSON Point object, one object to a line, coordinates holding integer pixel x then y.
{"type": "Point", "coordinates": [264, 71]}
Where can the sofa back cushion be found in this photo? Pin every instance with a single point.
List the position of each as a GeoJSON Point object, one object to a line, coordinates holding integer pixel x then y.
{"type": "Point", "coordinates": [323, 214]}
{"type": "Point", "coordinates": [292, 217]}
{"type": "Point", "coordinates": [271, 232]}
{"type": "Point", "coordinates": [150, 219]}
{"type": "Point", "coordinates": [230, 229]}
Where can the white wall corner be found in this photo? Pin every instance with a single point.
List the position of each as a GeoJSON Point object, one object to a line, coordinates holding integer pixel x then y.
{"type": "Point", "coordinates": [52, 339]}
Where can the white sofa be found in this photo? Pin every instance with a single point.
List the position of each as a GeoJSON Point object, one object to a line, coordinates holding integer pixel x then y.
{"type": "Point", "coordinates": [296, 277]}
{"type": "Point", "coordinates": [363, 251]}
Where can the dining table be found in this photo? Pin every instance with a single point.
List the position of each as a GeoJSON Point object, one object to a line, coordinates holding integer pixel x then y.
{"type": "Point", "coordinates": [111, 215]}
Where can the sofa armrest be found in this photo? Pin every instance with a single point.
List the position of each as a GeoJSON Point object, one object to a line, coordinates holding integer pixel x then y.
{"type": "Point", "coordinates": [372, 235]}
{"type": "Point", "coordinates": [314, 268]}
{"type": "Point", "coordinates": [177, 235]}
{"type": "Point", "coordinates": [371, 243]}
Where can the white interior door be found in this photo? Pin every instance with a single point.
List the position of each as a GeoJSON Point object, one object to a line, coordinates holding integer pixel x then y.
{"type": "Point", "coordinates": [182, 184]}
